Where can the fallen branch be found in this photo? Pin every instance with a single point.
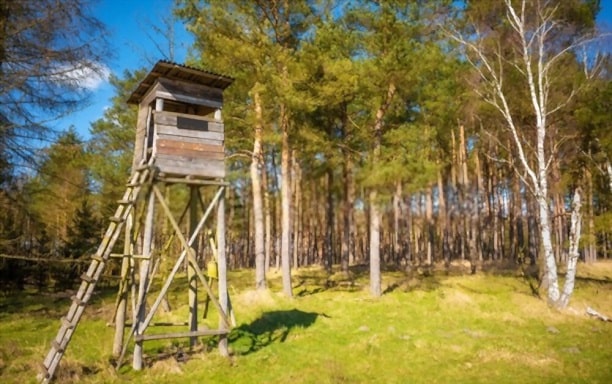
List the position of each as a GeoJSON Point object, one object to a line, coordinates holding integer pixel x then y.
{"type": "Point", "coordinates": [591, 312]}
{"type": "Point", "coordinates": [44, 260]}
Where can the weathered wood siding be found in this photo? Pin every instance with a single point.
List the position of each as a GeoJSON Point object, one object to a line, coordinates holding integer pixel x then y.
{"type": "Point", "coordinates": [189, 145]}
{"type": "Point", "coordinates": [188, 93]}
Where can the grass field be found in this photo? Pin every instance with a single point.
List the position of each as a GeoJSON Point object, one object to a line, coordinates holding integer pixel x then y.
{"type": "Point", "coordinates": [438, 329]}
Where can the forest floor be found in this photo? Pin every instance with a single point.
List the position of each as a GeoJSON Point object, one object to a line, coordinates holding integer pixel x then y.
{"type": "Point", "coordinates": [427, 328]}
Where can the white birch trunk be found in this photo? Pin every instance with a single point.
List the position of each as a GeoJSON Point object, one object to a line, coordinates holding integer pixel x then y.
{"type": "Point", "coordinates": [575, 229]}
{"type": "Point", "coordinates": [550, 263]}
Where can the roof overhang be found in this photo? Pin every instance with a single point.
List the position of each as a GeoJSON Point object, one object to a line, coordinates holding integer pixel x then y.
{"type": "Point", "coordinates": [179, 72]}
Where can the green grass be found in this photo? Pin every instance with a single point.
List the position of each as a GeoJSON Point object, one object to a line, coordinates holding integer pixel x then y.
{"type": "Point", "coordinates": [436, 329]}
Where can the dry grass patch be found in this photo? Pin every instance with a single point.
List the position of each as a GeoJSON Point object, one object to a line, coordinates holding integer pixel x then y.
{"type": "Point", "coordinates": [73, 371]}
{"type": "Point", "coordinates": [527, 359]}
{"type": "Point", "coordinates": [601, 270]}
{"type": "Point", "coordinates": [166, 367]}
{"type": "Point", "coordinates": [456, 297]}
{"type": "Point", "coordinates": [506, 317]}
{"type": "Point", "coordinates": [253, 298]}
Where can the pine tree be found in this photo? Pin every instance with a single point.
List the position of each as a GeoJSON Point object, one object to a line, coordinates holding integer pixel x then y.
{"type": "Point", "coordinates": [59, 187]}
{"type": "Point", "coordinates": [255, 43]}
{"type": "Point", "coordinates": [391, 36]}
{"type": "Point", "coordinates": [111, 145]}
{"type": "Point", "coordinates": [82, 238]}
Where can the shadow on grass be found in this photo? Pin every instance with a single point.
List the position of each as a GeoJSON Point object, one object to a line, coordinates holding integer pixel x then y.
{"type": "Point", "coordinates": [34, 304]}
{"type": "Point", "coordinates": [604, 280]}
{"type": "Point", "coordinates": [271, 327]}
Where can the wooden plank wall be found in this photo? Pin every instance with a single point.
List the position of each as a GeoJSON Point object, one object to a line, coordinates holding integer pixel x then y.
{"type": "Point", "coordinates": [189, 145]}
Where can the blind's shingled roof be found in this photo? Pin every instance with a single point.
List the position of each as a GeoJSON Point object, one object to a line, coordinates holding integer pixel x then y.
{"type": "Point", "coordinates": [174, 71]}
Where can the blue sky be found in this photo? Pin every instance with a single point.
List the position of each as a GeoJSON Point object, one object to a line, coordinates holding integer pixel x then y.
{"type": "Point", "coordinates": [133, 43]}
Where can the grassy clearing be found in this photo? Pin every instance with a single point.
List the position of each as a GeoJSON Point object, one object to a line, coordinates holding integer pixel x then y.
{"type": "Point", "coordinates": [437, 329]}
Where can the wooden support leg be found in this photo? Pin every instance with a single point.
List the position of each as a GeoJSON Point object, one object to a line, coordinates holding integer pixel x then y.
{"type": "Point", "coordinates": [124, 287]}
{"type": "Point", "coordinates": [222, 270]}
{"type": "Point", "coordinates": [191, 274]}
{"type": "Point", "coordinates": [143, 283]}
{"type": "Point", "coordinates": [185, 254]}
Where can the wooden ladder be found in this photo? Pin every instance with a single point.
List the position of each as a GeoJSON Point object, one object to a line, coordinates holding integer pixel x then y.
{"type": "Point", "coordinates": [89, 279]}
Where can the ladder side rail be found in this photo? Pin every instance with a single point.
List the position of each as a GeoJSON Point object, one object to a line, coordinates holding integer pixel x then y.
{"type": "Point", "coordinates": [93, 273]}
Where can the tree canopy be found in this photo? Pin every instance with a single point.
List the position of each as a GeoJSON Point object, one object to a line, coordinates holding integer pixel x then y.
{"type": "Point", "coordinates": [401, 134]}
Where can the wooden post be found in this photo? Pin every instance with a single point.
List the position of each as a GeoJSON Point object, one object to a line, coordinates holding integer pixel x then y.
{"type": "Point", "coordinates": [124, 287]}
{"type": "Point", "coordinates": [144, 282]}
{"type": "Point", "coordinates": [139, 144]}
{"type": "Point", "coordinates": [191, 274]}
{"type": "Point", "coordinates": [222, 271]}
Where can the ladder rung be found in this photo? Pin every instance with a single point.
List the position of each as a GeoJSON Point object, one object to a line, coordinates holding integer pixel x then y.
{"type": "Point", "coordinates": [44, 370]}
{"type": "Point", "coordinates": [88, 278]}
{"type": "Point", "coordinates": [126, 202]}
{"type": "Point", "coordinates": [142, 167]}
{"type": "Point", "coordinates": [67, 323]}
{"type": "Point", "coordinates": [122, 255]}
{"type": "Point", "coordinates": [57, 346]}
{"type": "Point", "coordinates": [116, 219]}
{"type": "Point", "coordinates": [75, 299]}
{"type": "Point", "coordinates": [97, 258]}
{"type": "Point", "coordinates": [206, 332]}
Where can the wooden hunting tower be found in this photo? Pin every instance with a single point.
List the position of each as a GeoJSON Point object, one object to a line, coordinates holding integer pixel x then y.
{"type": "Point", "coordinates": [179, 121]}
{"type": "Point", "coordinates": [179, 142]}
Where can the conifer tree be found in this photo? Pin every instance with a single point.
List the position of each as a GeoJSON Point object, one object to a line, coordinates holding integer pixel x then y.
{"type": "Point", "coordinates": [391, 35]}
{"type": "Point", "coordinates": [59, 187]}
{"type": "Point", "coordinates": [254, 43]}
{"type": "Point", "coordinates": [111, 145]}
{"type": "Point", "coordinates": [82, 238]}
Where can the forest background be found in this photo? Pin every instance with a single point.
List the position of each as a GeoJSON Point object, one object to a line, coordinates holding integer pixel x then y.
{"type": "Point", "coordinates": [393, 135]}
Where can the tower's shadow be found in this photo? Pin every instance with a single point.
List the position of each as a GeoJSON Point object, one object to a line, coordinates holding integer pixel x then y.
{"type": "Point", "coordinates": [271, 327]}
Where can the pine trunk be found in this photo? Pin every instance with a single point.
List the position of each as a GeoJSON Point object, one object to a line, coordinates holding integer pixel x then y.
{"type": "Point", "coordinates": [347, 255]}
{"type": "Point", "coordinates": [429, 225]}
{"type": "Point", "coordinates": [375, 279]}
{"type": "Point", "coordinates": [285, 204]}
{"type": "Point", "coordinates": [267, 220]}
{"type": "Point", "coordinates": [258, 216]}
{"type": "Point", "coordinates": [296, 192]}
{"type": "Point", "coordinates": [329, 221]}
{"type": "Point", "coordinates": [397, 227]}
{"type": "Point", "coordinates": [590, 249]}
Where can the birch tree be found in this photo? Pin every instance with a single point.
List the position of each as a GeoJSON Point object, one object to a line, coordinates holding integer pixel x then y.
{"type": "Point", "coordinates": [536, 42]}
